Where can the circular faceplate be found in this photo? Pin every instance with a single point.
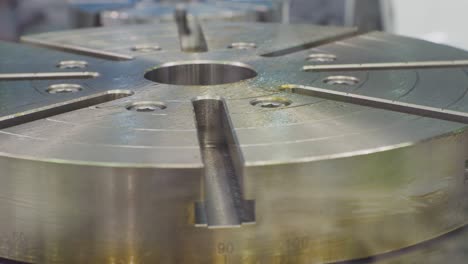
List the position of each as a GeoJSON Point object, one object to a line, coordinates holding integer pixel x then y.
{"type": "Point", "coordinates": [266, 154]}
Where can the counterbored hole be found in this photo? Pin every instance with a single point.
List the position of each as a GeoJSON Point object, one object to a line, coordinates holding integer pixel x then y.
{"type": "Point", "coordinates": [146, 48]}
{"type": "Point", "coordinates": [271, 102]}
{"type": "Point", "coordinates": [200, 73]}
{"type": "Point", "coordinates": [146, 106]}
{"type": "Point", "coordinates": [72, 64]}
{"type": "Point", "coordinates": [64, 88]}
{"type": "Point", "coordinates": [243, 45]}
{"type": "Point", "coordinates": [341, 80]}
{"type": "Point", "coordinates": [321, 57]}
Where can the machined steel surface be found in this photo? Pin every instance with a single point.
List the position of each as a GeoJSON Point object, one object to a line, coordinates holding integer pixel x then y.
{"type": "Point", "coordinates": [276, 144]}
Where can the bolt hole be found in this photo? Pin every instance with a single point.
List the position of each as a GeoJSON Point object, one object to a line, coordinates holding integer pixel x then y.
{"type": "Point", "coordinates": [321, 57]}
{"type": "Point", "coordinates": [64, 88]}
{"type": "Point", "coordinates": [72, 64]}
{"type": "Point", "coordinates": [146, 106]}
{"type": "Point", "coordinates": [243, 45]}
{"type": "Point", "coordinates": [271, 102]}
{"type": "Point", "coordinates": [341, 80]}
{"type": "Point", "coordinates": [146, 48]}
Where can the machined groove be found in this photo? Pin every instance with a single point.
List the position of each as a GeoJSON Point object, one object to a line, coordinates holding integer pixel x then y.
{"type": "Point", "coordinates": [397, 106]}
{"type": "Point", "coordinates": [191, 36]}
{"type": "Point", "coordinates": [310, 45]}
{"type": "Point", "coordinates": [47, 76]}
{"type": "Point", "coordinates": [61, 108]}
{"type": "Point", "coordinates": [387, 66]}
{"type": "Point", "coordinates": [108, 55]}
{"type": "Point", "coordinates": [223, 205]}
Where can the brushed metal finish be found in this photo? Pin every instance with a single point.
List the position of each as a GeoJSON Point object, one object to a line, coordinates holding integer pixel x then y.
{"type": "Point", "coordinates": [128, 179]}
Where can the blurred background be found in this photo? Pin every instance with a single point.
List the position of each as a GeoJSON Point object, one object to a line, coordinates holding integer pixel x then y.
{"type": "Point", "coordinates": [433, 20]}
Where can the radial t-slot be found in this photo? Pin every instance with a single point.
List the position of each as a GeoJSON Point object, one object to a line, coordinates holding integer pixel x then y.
{"type": "Point", "coordinates": [223, 205]}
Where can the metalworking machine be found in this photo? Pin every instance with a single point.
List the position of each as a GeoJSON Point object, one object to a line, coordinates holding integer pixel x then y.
{"type": "Point", "coordinates": [229, 143]}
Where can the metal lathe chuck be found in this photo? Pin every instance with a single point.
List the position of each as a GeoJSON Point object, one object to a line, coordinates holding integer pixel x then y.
{"type": "Point", "coordinates": [232, 143]}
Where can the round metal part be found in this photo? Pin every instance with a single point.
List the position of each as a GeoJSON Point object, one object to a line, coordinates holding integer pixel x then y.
{"type": "Point", "coordinates": [223, 155]}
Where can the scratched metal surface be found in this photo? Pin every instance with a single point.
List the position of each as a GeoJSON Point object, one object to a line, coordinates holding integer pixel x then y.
{"type": "Point", "coordinates": [85, 180]}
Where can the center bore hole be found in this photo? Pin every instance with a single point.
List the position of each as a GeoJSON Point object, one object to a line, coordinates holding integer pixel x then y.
{"type": "Point", "coordinates": [204, 73]}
